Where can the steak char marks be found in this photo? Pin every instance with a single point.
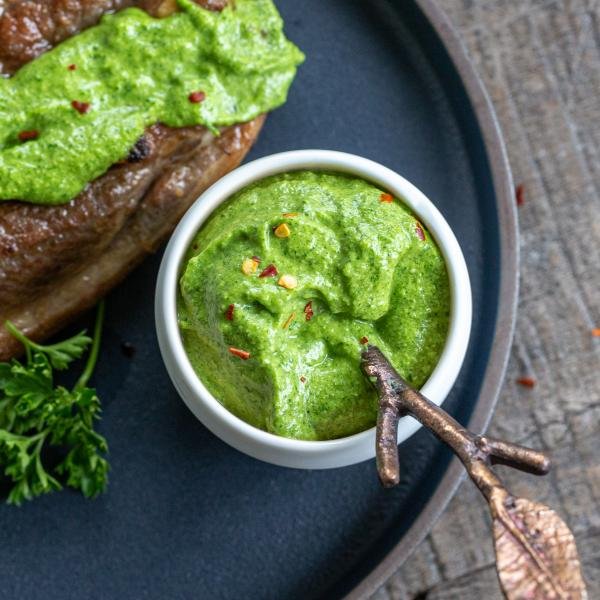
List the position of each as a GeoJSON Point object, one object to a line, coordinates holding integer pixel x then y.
{"type": "Point", "coordinates": [58, 261]}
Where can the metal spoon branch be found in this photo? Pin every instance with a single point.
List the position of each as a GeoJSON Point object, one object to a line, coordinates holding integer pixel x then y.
{"type": "Point", "coordinates": [536, 553]}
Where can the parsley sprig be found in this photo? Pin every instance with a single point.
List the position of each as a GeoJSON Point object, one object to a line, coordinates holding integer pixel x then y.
{"type": "Point", "coordinates": [35, 415]}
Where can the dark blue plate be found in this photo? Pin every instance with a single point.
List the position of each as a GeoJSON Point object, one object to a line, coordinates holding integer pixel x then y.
{"type": "Point", "coordinates": [186, 516]}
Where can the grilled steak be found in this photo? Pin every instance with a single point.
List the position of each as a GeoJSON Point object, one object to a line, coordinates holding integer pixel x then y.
{"type": "Point", "coordinates": [30, 27]}
{"type": "Point", "coordinates": [57, 261]}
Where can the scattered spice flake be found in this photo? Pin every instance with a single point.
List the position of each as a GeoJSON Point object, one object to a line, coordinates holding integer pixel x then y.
{"type": "Point", "coordinates": [387, 198]}
{"type": "Point", "coordinates": [239, 353]}
{"type": "Point", "coordinates": [249, 266]}
{"type": "Point", "coordinates": [364, 340]}
{"type": "Point", "coordinates": [520, 194]}
{"type": "Point", "coordinates": [229, 312]}
{"type": "Point", "coordinates": [269, 271]}
{"type": "Point", "coordinates": [308, 311]}
{"type": "Point", "coordinates": [289, 282]}
{"type": "Point", "coordinates": [31, 134]}
{"type": "Point", "coordinates": [303, 379]}
{"type": "Point", "coordinates": [290, 215]}
{"type": "Point", "coordinates": [81, 107]}
{"type": "Point", "coordinates": [257, 260]}
{"type": "Point", "coordinates": [596, 332]}
{"type": "Point", "coordinates": [526, 382]}
{"type": "Point", "coordinates": [282, 231]}
{"type": "Point", "coordinates": [420, 231]}
{"type": "Point", "coordinates": [72, 67]}
{"type": "Point", "coordinates": [197, 97]}
{"type": "Point", "coordinates": [128, 349]}
{"type": "Point", "coordinates": [289, 321]}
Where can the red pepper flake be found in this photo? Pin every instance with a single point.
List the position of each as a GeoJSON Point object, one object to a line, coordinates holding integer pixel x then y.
{"type": "Point", "coordinates": [420, 231]}
{"type": "Point", "coordinates": [229, 312]}
{"type": "Point", "coordinates": [596, 332]}
{"type": "Point", "coordinates": [388, 198]}
{"type": "Point", "coordinates": [257, 260]}
{"type": "Point", "coordinates": [303, 379]}
{"type": "Point", "coordinates": [289, 320]}
{"type": "Point", "coordinates": [81, 107]}
{"type": "Point", "coordinates": [308, 311]}
{"type": "Point", "coordinates": [526, 382]}
{"type": "Point", "coordinates": [197, 97]}
{"type": "Point", "coordinates": [364, 340]}
{"type": "Point", "coordinates": [270, 271]}
{"type": "Point", "coordinates": [72, 67]}
{"type": "Point", "coordinates": [32, 134]}
{"type": "Point", "coordinates": [520, 194]}
{"type": "Point", "coordinates": [239, 353]}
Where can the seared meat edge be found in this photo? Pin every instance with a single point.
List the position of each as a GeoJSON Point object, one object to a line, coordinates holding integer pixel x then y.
{"type": "Point", "coordinates": [57, 261]}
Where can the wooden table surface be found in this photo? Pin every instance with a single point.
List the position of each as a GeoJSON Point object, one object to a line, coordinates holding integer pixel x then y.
{"type": "Point", "coordinates": [540, 61]}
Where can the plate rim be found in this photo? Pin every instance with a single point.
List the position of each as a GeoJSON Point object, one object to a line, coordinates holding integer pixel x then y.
{"type": "Point", "coordinates": [508, 295]}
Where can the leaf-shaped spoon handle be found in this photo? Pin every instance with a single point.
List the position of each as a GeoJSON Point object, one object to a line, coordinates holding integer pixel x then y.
{"type": "Point", "coordinates": [536, 554]}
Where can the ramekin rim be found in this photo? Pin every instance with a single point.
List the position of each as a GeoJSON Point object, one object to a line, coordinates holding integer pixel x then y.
{"type": "Point", "coordinates": [439, 383]}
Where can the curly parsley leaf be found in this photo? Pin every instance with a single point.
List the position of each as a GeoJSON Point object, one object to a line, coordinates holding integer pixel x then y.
{"type": "Point", "coordinates": [60, 355]}
{"type": "Point", "coordinates": [36, 415]}
{"type": "Point", "coordinates": [21, 456]}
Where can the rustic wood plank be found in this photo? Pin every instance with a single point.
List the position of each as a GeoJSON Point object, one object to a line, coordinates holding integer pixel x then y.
{"type": "Point", "coordinates": [540, 60]}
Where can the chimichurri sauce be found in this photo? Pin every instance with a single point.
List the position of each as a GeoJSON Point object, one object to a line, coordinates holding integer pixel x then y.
{"type": "Point", "coordinates": [70, 114]}
{"type": "Point", "coordinates": [286, 282]}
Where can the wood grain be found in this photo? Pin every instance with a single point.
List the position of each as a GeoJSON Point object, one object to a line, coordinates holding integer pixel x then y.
{"type": "Point", "coordinates": [540, 61]}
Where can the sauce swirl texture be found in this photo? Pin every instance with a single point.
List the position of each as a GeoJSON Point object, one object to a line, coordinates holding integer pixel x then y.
{"type": "Point", "coordinates": [342, 263]}
{"type": "Point", "coordinates": [70, 114]}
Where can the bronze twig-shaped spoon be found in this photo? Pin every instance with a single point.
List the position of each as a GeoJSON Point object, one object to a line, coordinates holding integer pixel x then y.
{"type": "Point", "coordinates": [536, 555]}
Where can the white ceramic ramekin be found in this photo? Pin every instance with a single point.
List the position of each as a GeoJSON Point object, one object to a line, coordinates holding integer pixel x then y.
{"type": "Point", "coordinates": [246, 438]}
